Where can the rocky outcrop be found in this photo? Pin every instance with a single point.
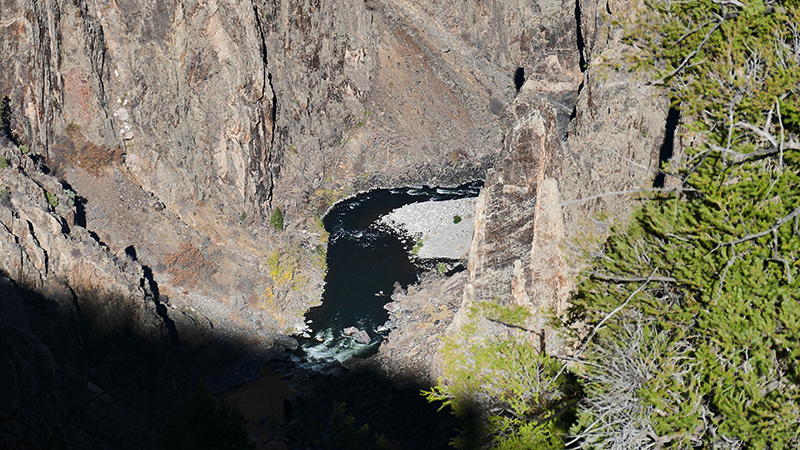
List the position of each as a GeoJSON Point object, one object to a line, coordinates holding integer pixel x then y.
{"type": "Point", "coordinates": [559, 171]}
{"type": "Point", "coordinates": [418, 318]}
{"type": "Point", "coordinates": [543, 195]}
{"type": "Point", "coordinates": [91, 353]}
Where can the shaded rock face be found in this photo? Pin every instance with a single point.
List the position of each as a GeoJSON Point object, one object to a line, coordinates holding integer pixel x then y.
{"type": "Point", "coordinates": [92, 355]}
{"type": "Point", "coordinates": [75, 322]}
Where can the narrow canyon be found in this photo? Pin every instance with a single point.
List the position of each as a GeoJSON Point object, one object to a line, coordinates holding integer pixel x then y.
{"type": "Point", "coordinates": [166, 168]}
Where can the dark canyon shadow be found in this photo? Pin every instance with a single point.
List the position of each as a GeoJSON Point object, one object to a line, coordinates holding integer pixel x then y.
{"type": "Point", "coordinates": [84, 379]}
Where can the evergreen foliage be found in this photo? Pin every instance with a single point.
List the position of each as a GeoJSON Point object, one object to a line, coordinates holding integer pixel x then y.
{"type": "Point", "coordinates": [506, 392]}
{"type": "Point", "coordinates": [276, 220]}
{"type": "Point", "coordinates": [51, 199]}
{"type": "Point", "coordinates": [694, 307]}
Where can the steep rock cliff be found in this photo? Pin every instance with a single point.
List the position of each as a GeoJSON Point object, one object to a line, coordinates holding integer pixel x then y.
{"type": "Point", "coordinates": [185, 125]}
{"type": "Point", "coordinates": [543, 199]}
{"type": "Point", "coordinates": [224, 111]}
{"type": "Point", "coordinates": [564, 175]}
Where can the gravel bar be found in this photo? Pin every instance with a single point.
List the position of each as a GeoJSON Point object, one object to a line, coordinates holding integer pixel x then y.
{"type": "Point", "coordinates": [434, 225]}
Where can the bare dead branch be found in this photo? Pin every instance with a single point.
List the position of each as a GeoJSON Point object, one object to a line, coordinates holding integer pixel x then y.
{"type": "Point", "coordinates": [631, 191]}
{"type": "Point", "coordinates": [632, 279]}
{"type": "Point", "coordinates": [769, 230]}
{"type": "Point", "coordinates": [693, 32]}
{"type": "Point", "coordinates": [763, 133]}
{"type": "Point", "coordinates": [616, 310]}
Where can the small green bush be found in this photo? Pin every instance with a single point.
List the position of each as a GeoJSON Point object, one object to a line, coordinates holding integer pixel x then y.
{"type": "Point", "coordinates": [276, 220]}
{"type": "Point", "coordinates": [3, 162]}
{"type": "Point", "coordinates": [456, 219]}
{"type": "Point", "coordinates": [52, 199]}
{"type": "Point", "coordinates": [417, 247]}
{"type": "Point", "coordinates": [242, 216]}
{"type": "Point", "coordinates": [25, 150]}
{"type": "Point", "coordinates": [70, 197]}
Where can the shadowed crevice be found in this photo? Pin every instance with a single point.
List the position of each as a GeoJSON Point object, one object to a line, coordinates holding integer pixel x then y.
{"type": "Point", "coordinates": [667, 147]}
{"type": "Point", "coordinates": [519, 78]}
{"type": "Point", "coordinates": [579, 34]}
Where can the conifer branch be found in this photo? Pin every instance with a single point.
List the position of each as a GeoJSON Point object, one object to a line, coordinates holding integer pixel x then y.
{"type": "Point", "coordinates": [691, 55]}
{"type": "Point", "coordinates": [632, 279]}
{"type": "Point", "coordinates": [769, 230]}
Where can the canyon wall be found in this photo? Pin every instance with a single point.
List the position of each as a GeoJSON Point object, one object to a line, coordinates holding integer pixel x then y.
{"type": "Point", "coordinates": [189, 123]}
{"type": "Point", "coordinates": [566, 173]}
{"type": "Point", "coordinates": [178, 129]}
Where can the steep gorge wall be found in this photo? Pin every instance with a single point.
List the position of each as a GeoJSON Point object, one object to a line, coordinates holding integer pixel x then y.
{"type": "Point", "coordinates": [537, 211]}
{"type": "Point", "coordinates": [226, 110]}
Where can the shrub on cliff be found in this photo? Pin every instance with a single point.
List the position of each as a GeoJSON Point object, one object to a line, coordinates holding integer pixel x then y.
{"type": "Point", "coordinates": [507, 392]}
{"type": "Point", "coordinates": [276, 220]}
{"type": "Point", "coordinates": [188, 265]}
{"type": "Point", "coordinates": [694, 308]}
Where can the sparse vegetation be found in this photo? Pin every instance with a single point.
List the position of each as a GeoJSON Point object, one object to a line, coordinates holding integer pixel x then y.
{"type": "Point", "coordinates": [91, 157]}
{"type": "Point", "coordinates": [71, 195]}
{"type": "Point", "coordinates": [417, 247]}
{"type": "Point", "coordinates": [364, 120]}
{"type": "Point", "coordinates": [51, 198]}
{"type": "Point", "coordinates": [24, 149]}
{"type": "Point", "coordinates": [456, 219]}
{"type": "Point", "coordinates": [5, 197]}
{"type": "Point", "coordinates": [3, 162]}
{"type": "Point", "coordinates": [188, 265]}
{"type": "Point", "coordinates": [276, 220]}
{"type": "Point", "coordinates": [284, 269]}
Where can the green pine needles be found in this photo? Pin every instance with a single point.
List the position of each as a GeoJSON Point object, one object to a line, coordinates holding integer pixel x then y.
{"type": "Point", "coordinates": [686, 326]}
{"type": "Point", "coordinates": [699, 298]}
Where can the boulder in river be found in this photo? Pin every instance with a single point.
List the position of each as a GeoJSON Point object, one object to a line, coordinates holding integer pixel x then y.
{"type": "Point", "coordinates": [361, 337]}
{"type": "Point", "coordinates": [349, 331]}
{"type": "Point", "coordinates": [392, 307]}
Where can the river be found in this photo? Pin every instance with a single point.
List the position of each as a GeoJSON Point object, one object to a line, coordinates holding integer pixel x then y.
{"type": "Point", "coordinates": [365, 259]}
